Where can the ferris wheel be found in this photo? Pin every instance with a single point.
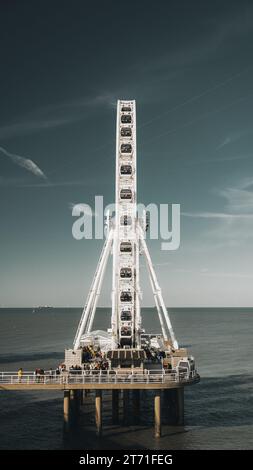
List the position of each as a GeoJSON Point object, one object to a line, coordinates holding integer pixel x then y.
{"type": "Point", "coordinates": [125, 239]}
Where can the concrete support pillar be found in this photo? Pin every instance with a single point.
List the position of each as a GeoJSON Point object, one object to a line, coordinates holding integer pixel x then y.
{"type": "Point", "coordinates": [79, 394]}
{"type": "Point", "coordinates": [115, 406]}
{"type": "Point", "coordinates": [72, 397]}
{"type": "Point", "coordinates": [125, 406]}
{"type": "Point", "coordinates": [73, 400]}
{"type": "Point", "coordinates": [174, 405]}
{"type": "Point", "coordinates": [170, 405]}
{"type": "Point", "coordinates": [98, 412]}
{"type": "Point", "coordinates": [166, 397]}
{"type": "Point", "coordinates": [66, 410]}
{"type": "Point", "coordinates": [180, 406]}
{"type": "Point", "coordinates": [157, 414]}
{"type": "Point", "coordinates": [74, 405]}
{"type": "Point", "coordinates": [136, 405]}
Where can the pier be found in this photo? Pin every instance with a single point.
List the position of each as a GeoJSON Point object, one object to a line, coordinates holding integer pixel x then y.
{"type": "Point", "coordinates": [75, 386]}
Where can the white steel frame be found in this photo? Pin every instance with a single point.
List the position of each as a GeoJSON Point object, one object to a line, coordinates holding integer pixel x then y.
{"type": "Point", "coordinates": [117, 234]}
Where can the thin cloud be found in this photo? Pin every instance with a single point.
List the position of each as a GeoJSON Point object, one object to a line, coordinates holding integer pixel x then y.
{"type": "Point", "coordinates": [51, 184]}
{"type": "Point", "coordinates": [230, 139]}
{"type": "Point", "coordinates": [25, 163]}
{"type": "Point", "coordinates": [225, 142]}
{"type": "Point", "coordinates": [233, 226]}
{"type": "Point", "coordinates": [235, 275]}
{"type": "Point", "coordinates": [246, 183]}
{"type": "Point", "coordinates": [217, 215]}
{"type": "Point", "coordinates": [197, 97]}
{"type": "Point", "coordinates": [166, 263]}
{"type": "Point", "coordinates": [218, 33]}
{"type": "Point", "coordinates": [239, 200]}
{"type": "Point", "coordinates": [53, 116]}
{"type": "Point", "coordinates": [205, 272]}
{"type": "Point", "coordinates": [220, 159]}
{"type": "Point", "coordinates": [199, 118]}
{"type": "Point", "coordinates": [27, 127]}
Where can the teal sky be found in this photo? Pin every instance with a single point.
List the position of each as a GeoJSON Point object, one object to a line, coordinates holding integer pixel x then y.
{"type": "Point", "coordinates": [63, 67]}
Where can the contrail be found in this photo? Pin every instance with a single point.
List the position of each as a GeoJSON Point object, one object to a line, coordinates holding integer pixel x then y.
{"type": "Point", "coordinates": [196, 97]}
{"type": "Point", "coordinates": [26, 163]}
{"type": "Point", "coordinates": [199, 118]}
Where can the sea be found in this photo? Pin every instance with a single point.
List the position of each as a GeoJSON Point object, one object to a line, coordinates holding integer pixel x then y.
{"type": "Point", "coordinates": [218, 410]}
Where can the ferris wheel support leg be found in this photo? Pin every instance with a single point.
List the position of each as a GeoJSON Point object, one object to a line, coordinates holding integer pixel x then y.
{"type": "Point", "coordinates": [158, 291]}
{"type": "Point", "coordinates": [87, 311]}
{"type": "Point", "coordinates": [114, 317]}
{"type": "Point", "coordinates": [158, 309]}
{"type": "Point", "coordinates": [98, 290]}
{"type": "Point", "coordinates": [138, 298]}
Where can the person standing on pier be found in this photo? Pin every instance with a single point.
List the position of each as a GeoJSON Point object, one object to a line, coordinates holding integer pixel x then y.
{"type": "Point", "coordinates": [20, 374]}
{"type": "Point", "coordinates": [64, 375]}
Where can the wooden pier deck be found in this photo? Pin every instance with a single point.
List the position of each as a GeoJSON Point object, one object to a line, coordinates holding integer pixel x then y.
{"type": "Point", "coordinates": [102, 380]}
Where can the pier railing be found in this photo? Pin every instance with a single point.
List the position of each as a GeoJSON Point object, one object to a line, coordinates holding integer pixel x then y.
{"type": "Point", "coordinates": [99, 376]}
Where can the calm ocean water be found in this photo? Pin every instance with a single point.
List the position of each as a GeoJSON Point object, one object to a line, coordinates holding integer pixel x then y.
{"type": "Point", "coordinates": [218, 410]}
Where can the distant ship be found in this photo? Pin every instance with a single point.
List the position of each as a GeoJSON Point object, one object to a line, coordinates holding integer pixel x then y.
{"type": "Point", "coordinates": [41, 307]}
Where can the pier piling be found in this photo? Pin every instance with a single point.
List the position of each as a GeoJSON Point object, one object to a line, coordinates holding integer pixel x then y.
{"type": "Point", "coordinates": [125, 406]}
{"type": "Point", "coordinates": [115, 406]}
{"type": "Point", "coordinates": [180, 406]}
{"type": "Point", "coordinates": [174, 406]}
{"type": "Point", "coordinates": [157, 414]}
{"type": "Point", "coordinates": [98, 412]}
{"type": "Point", "coordinates": [66, 410]}
{"type": "Point", "coordinates": [136, 405]}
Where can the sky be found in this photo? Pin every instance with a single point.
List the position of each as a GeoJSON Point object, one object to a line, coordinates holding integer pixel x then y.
{"type": "Point", "coordinates": [189, 67]}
